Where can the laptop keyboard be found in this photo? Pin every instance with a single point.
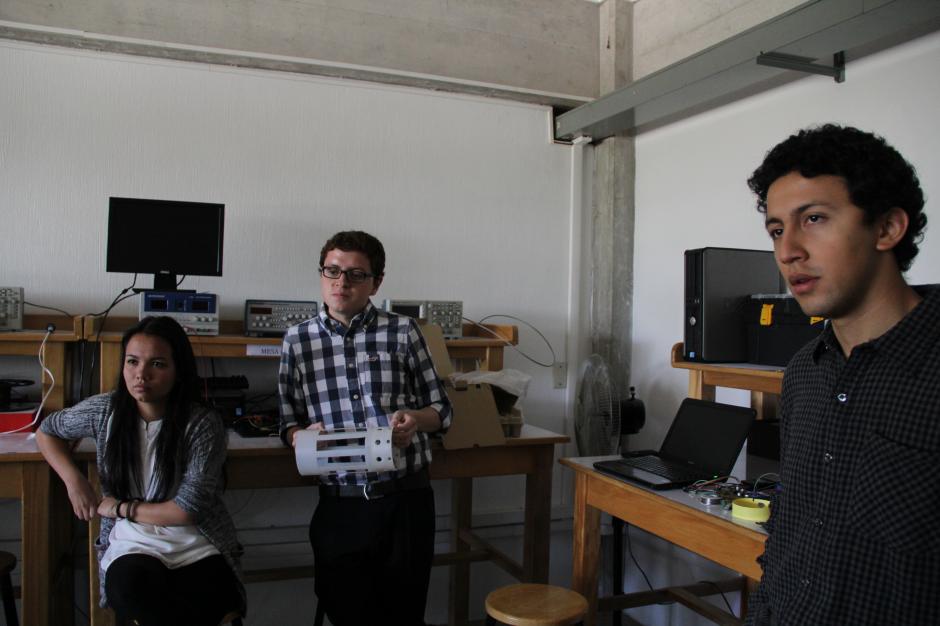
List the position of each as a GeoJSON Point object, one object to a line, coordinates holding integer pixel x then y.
{"type": "Point", "coordinates": [660, 467]}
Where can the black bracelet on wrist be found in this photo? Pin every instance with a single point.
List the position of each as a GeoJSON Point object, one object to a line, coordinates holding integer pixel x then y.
{"type": "Point", "coordinates": [132, 509]}
{"type": "Point", "coordinates": [117, 510]}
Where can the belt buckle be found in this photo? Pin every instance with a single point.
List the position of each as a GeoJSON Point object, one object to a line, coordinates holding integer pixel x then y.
{"type": "Point", "coordinates": [367, 492]}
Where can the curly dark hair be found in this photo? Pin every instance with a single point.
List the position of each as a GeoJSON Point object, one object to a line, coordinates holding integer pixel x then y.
{"type": "Point", "coordinates": [358, 241]}
{"type": "Point", "coordinates": [877, 176]}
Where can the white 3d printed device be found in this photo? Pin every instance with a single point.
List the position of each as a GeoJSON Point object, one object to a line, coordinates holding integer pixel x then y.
{"type": "Point", "coordinates": [354, 450]}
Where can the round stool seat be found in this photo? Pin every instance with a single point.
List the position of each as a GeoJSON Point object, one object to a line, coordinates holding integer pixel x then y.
{"type": "Point", "coordinates": [536, 605]}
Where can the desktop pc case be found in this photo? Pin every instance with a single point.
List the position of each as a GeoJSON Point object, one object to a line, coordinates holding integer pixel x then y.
{"type": "Point", "coordinates": [718, 282]}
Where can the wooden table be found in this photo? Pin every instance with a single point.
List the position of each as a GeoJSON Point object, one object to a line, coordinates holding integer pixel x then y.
{"type": "Point", "coordinates": [673, 515]}
{"type": "Point", "coordinates": [763, 381]}
{"type": "Point", "coordinates": [45, 559]}
{"type": "Point", "coordinates": [261, 463]}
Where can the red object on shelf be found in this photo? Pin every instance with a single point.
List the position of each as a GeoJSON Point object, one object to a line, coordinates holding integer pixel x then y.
{"type": "Point", "coordinates": [16, 418]}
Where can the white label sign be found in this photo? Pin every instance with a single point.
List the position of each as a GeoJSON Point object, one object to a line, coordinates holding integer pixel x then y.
{"type": "Point", "coordinates": [261, 349]}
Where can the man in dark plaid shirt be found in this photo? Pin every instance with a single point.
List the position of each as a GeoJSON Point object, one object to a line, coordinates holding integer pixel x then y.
{"type": "Point", "coordinates": [853, 533]}
{"type": "Point", "coordinates": [353, 366]}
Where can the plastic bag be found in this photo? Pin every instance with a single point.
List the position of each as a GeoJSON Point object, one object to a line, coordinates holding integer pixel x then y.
{"type": "Point", "coordinates": [510, 380]}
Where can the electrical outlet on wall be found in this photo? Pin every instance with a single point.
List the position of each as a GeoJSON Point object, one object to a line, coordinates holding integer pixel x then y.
{"type": "Point", "coordinates": [560, 374]}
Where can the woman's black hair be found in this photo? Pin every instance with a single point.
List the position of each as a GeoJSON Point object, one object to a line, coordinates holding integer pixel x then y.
{"type": "Point", "coordinates": [878, 178]}
{"type": "Point", "coordinates": [121, 471]}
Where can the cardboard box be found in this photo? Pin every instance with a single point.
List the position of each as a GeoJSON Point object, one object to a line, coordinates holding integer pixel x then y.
{"type": "Point", "coordinates": [475, 422]}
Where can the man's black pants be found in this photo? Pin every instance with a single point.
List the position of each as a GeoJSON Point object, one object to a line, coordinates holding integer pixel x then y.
{"type": "Point", "coordinates": [373, 557]}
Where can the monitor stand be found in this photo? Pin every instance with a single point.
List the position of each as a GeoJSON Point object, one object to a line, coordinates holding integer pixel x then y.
{"type": "Point", "coordinates": [164, 282]}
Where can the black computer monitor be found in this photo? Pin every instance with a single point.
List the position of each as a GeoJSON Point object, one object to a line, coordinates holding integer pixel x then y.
{"type": "Point", "coordinates": [165, 238]}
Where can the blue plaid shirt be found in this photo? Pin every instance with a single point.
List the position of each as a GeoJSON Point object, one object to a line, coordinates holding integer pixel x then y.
{"type": "Point", "coordinates": [357, 377]}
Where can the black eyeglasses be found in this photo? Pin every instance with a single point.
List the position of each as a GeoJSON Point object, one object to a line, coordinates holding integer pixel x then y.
{"type": "Point", "coordinates": [354, 275]}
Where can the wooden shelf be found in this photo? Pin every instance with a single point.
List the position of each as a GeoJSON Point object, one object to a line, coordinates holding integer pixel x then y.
{"type": "Point", "coordinates": [470, 352]}
{"type": "Point", "coordinates": [735, 375]}
{"type": "Point", "coordinates": [762, 381]}
{"type": "Point", "coordinates": [27, 342]}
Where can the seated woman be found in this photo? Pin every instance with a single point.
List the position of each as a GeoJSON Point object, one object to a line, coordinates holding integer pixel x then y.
{"type": "Point", "coordinates": [167, 551]}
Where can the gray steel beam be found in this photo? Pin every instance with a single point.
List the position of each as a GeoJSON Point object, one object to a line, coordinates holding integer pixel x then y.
{"type": "Point", "coordinates": [815, 30]}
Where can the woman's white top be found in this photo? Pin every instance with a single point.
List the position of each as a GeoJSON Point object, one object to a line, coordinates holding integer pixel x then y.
{"type": "Point", "coordinates": [175, 546]}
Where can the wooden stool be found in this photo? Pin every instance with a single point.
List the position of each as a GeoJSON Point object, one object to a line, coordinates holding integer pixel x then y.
{"type": "Point", "coordinates": [234, 618]}
{"type": "Point", "coordinates": [535, 605]}
{"type": "Point", "coordinates": [7, 563]}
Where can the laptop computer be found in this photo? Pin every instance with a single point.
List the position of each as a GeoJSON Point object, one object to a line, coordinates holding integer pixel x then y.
{"type": "Point", "coordinates": [703, 442]}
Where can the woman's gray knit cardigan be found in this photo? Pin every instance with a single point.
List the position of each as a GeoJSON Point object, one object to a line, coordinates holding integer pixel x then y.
{"type": "Point", "coordinates": [200, 488]}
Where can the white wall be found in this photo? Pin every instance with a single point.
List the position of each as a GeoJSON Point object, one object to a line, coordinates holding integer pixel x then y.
{"type": "Point", "coordinates": [469, 195]}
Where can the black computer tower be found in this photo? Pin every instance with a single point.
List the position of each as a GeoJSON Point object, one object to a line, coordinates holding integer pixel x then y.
{"type": "Point", "coordinates": [717, 284]}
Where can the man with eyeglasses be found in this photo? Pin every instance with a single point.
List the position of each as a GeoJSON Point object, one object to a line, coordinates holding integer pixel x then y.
{"type": "Point", "coordinates": [351, 366]}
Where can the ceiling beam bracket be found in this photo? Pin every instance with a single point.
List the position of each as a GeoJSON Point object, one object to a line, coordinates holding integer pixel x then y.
{"type": "Point", "coordinates": [804, 64]}
{"type": "Point", "coordinates": [816, 36]}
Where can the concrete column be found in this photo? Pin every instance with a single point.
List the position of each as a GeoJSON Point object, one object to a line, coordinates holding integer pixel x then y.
{"type": "Point", "coordinates": [613, 205]}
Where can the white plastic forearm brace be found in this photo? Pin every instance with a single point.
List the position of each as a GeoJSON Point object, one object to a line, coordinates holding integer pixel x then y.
{"type": "Point", "coordinates": [355, 450]}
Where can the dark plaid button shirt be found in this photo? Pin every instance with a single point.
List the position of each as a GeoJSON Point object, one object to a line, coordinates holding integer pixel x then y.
{"type": "Point", "coordinates": [357, 377]}
{"type": "Point", "coordinates": [855, 530]}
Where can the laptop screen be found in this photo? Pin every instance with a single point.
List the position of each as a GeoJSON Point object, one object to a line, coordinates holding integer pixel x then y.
{"type": "Point", "coordinates": [707, 435]}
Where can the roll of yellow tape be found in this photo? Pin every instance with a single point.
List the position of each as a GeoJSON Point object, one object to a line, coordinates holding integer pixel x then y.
{"type": "Point", "coordinates": [751, 509]}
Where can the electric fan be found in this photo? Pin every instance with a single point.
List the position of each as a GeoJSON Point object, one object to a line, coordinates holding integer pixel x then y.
{"type": "Point", "coordinates": [597, 411]}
